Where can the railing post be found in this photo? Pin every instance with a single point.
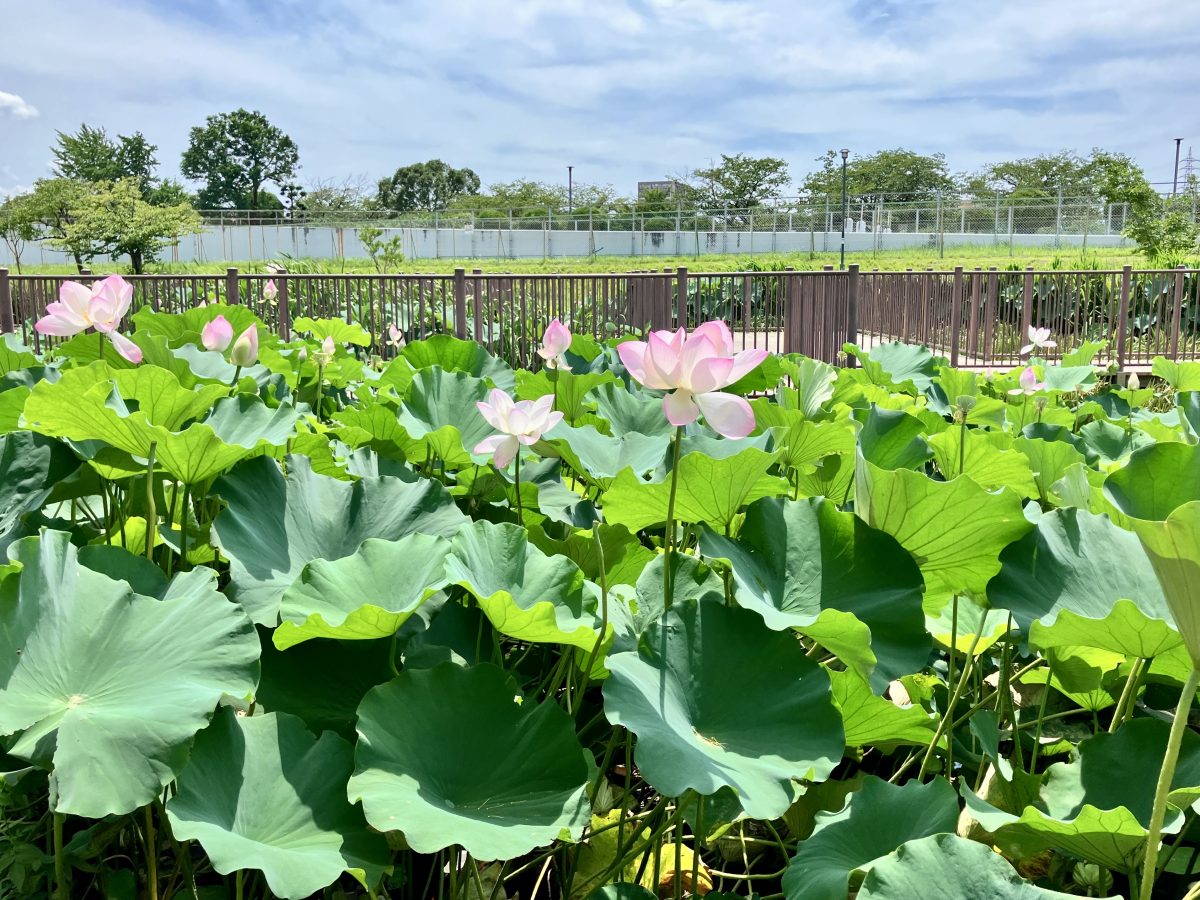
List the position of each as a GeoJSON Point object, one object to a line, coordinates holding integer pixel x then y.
{"type": "Point", "coordinates": [852, 288]}
{"type": "Point", "coordinates": [460, 303]}
{"type": "Point", "coordinates": [681, 294]}
{"type": "Point", "coordinates": [956, 301]}
{"type": "Point", "coordinates": [1123, 314]}
{"type": "Point", "coordinates": [283, 310]}
{"type": "Point", "coordinates": [1176, 310]}
{"type": "Point", "coordinates": [1026, 305]}
{"type": "Point", "coordinates": [231, 286]}
{"type": "Point", "coordinates": [7, 325]}
{"type": "Point", "coordinates": [973, 317]}
{"type": "Point", "coordinates": [477, 304]}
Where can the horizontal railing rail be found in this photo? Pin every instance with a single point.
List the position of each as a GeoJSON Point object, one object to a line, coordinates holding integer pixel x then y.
{"type": "Point", "coordinates": [977, 318]}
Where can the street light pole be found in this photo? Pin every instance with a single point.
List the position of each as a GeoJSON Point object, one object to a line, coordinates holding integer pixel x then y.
{"type": "Point", "coordinates": [1175, 180]}
{"type": "Point", "coordinates": [845, 208]}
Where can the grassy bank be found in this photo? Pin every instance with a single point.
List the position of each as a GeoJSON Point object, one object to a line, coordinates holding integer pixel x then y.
{"type": "Point", "coordinates": [969, 257]}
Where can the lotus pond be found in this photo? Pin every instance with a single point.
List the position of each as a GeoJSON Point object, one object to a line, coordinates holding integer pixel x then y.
{"type": "Point", "coordinates": [344, 616]}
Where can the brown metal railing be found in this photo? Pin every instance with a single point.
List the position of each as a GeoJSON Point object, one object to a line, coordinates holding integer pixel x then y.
{"type": "Point", "coordinates": [976, 318]}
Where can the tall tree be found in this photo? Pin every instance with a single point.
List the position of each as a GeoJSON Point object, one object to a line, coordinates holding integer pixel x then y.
{"type": "Point", "coordinates": [53, 206]}
{"type": "Point", "coordinates": [18, 225]}
{"type": "Point", "coordinates": [235, 154]}
{"type": "Point", "coordinates": [428, 186]}
{"type": "Point", "coordinates": [740, 181]}
{"type": "Point", "coordinates": [900, 173]}
{"type": "Point", "coordinates": [91, 155]}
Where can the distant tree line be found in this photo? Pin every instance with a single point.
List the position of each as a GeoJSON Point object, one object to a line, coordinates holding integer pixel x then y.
{"type": "Point", "coordinates": [106, 198]}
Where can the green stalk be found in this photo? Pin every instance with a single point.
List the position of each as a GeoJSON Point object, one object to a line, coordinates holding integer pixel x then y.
{"type": "Point", "coordinates": [1128, 694]}
{"type": "Point", "coordinates": [151, 512]}
{"type": "Point", "coordinates": [60, 860]}
{"type": "Point", "coordinates": [950, 683]}
{"type": "Point", "coordinates": [517, 486]}
{"type": "Point", "coordinates": [100, 335]}
{"type": "Point", "coordinates": [151, 855]}
{"type": "Point", "coordinates": [237, 373]}
{"type": "Point", "coordinates": [1165, 776]}
{"type": "Point", "coordinates": [670, 535]}
{"type": "Point", "coordinates": [591, 659]}
{"type": "Point", "coordinates": [945, 721]}
{"type": "Point", "coordinates": [183, 525]}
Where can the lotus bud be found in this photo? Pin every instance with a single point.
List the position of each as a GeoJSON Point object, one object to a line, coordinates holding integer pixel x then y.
{"type": "Point", "coordinates": [270, 291]}
{"type": "Point", "coordinates": [1134, 383]}
{"type": "Point", "coordinates": [245, 348]}
{"type": "Point", "coordinates": [217, 334]}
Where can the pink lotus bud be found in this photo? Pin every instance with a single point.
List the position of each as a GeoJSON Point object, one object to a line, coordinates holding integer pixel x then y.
{"type": "Point", "coordinates": [217, 334]}
{"type": "Point", "coordinates": [245, 348]}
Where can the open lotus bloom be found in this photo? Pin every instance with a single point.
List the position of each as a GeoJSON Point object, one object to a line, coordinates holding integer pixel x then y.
{"type": "Point", "coordinates": [693, 368]}
{"type": "Point", "coordinates": [520, 422]}
{"type": "Point", "coordinates": [1029, 383]}
{"type": "Point", "coordinates": [395, 337]}
{"type": "Point", "coordinates": [1039, 339]}
{"type": "Point", "coordinates": [555, 342]}
{"type": "Point", "coordinates": [245, 348]}
{"type": "Point", "coordinates": [101, 307]}
{"type": "Point", "coordinates": [217, 334]}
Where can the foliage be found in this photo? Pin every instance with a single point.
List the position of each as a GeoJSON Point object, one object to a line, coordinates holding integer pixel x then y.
{"type": "Point", "coordinates": [898, 173]}
{"type": "Point", "coordinates": [283, 632]}
{"type": "Point", "coordinates": [429, 185]}
{"type": "Point", "coordinates": [740, 181]}
{"type": "Point", "coordinates": [235, 154]}
{"type": "Point", "coordinates": [385, 253]}
{"type": "Point", "coordinates": [113, 219]}
{"type": "Point", "coordinates": [1165, 231]}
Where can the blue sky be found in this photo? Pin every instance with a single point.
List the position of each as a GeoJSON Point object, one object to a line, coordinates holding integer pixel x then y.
{"type": "Point", "coordinates": [621, 89]}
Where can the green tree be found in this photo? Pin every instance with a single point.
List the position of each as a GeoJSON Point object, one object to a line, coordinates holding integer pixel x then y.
{"type": "Point", "coordinates": [112, 219]}
{"type": "Point", "coordinates": [1165, 231]}
{"type": "Point", "coordinates": [53, 206]}
{"type": "Point", "coordinates": [427, 186]}
{"type": "Point", "coordinates": [740, 181]}
{"type": "Point", "coordinates": [91, 155]}
{"type": "Point", "coordinates": [900, 174]}
{"type": "Point", "coordinates": [235, 154]}
{"type": "Point", "coordinates": [18, 225]}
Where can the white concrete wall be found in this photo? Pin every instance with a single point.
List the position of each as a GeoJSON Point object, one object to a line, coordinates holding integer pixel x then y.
{"type": "Point", "coordinates": [273, 242]}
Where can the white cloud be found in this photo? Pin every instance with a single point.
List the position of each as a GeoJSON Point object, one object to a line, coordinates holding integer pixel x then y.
{"type": "Point", "coordinates": [16, 106]}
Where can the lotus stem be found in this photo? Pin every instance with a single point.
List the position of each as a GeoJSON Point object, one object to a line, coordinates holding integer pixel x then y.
{"type": "Point", "coordinates": [60, 860]}
{"type": "Point", "coordinates": [151, 512]}
{"type": "Point", "coordinates": [517, 487]}
{"type": "Point", "coordinates": [1128, 693]}
{"type": "Point", "coordinates": [237, 373]}
{"type": "Point", "coordinates": [670, 535]}
{"type": "Point", "coordinates": [1163, 788]}
{"type": "Point", "coordinates": [592, 656]}
{"type": "Point", "coordinates": [151, 855]}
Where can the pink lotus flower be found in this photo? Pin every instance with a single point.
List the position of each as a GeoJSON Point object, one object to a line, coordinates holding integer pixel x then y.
{"type": "Point", "coordinates": [395, 337]}
{"type": "Point", "coordinates": [217, 334]}
{"type": "Point", "coordinates": [555, 342]}
{"type": "Point", "coordinates": [1039, 339]}
{"type": "Point", "coordinates": [245, 348]}
{"type": "Point", "coordinates": [1029, 383]}
{"type": "Point", "coordinates": [694, 368]}
{"type": "Point", "coordinates": [270, 291]}
{"type": "Point", "coordinates": [101, 307]}
{"type": "Point", "coordinates": [521, 422]}
{"type": "Point", "coordinates": [326, 353]}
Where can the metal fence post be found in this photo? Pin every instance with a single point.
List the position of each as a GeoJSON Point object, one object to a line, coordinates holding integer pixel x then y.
{"type": "Point", "coordinates": [1058, 218]}
{"type": "Point", "coordinates": [852, 288]}
{"type": "Point", "coordinates": [283, 310]}
{"type": "Point", "coordinates": [1176, 310]}
{"type": "Point", "coordinates": [231, 286]}
{"type": "Point", "coordinates": [1123, 314]}
{"type": "Point", "coordinates": [7, 325]}
{"type": "Point", "coordinates": [956, 298]}
{"type": "Point", "coordinates": [460, 303]}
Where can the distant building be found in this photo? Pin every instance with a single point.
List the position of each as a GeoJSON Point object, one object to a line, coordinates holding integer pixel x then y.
{"type": "Point", "coordinates": [667, 187]}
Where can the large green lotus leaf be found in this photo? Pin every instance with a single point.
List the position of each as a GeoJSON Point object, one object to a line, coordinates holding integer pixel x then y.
{"type": "Point", "coordinates": [975, 453]}
{"type": "Point", "coordinates": [683, 692]}
{"type": "Point", "coordinates": [136, 408]}
{"type": "Point", "coordinates": [631, 411]}
{"type": "Point", "coordinates": [526, 594]}
{"type": "Point", "coordinates": [12, 406]}
{"type": "Point", "coordinates": [601, 457]}
{"type": "Point", "coordinates": [1182, 376]}
{"type": "Point", "coordinates": [455, 756]}
{"type": "Point", "coordinates": [441, 417]}
{"type": "Point", "coordinates": [955, 530]}
{"type": "Point", "coordinates": [1049, 460]}
{"type": "Point", "coordinates": [108, 686]}
{"type": "Point", "coordinates": [796, 561]}
{"type": "Point", "coordinates": [895, 364]}
{"type": "Point", "coordinates": [454, 355]}
{"type": "Point", "coordinates": [340, 330]}
{"type": "Point", "coordinates": [872, 721]}
{"type": "Point", "coordinates": [368, 594]}
{"type": "Point", "coordinates": [893, 439]}
{"type": "Point", "coordinates": [1086, 811]}
{"type": "Point", "coordinates": [804, 443]}
{"type": "Point", "coordinates": [273, 526]}
{"type": "Point", "coordinates": [709, 490]}
{"type": "Point", "coordinates": [1156, 481]}
{"type": "Point", "coordinates": [14, 355]}
{"type": "Point", "coordinates": [624, 557]}
{"type": "Point", "coordinates": [567, 388]}
{"type": "Point", "coordinates": [185, 327]}
{"type": "Point", "coordinates": [1111, 443]}
{"type": "Point", "coordinates": [1082, 564]}
{"type": "Point", "coordinates": [323, 681]}
{"type": "Point", "coordinates": [262, 792]}
{"type": "Point", "coordinates": [948, 867]}
{"type": "Point", "coordinates": [30, 466]}
{"type": "Point", "coordinates": [876, 819]}
{"type": "Point", "coordinates": [811, 386]}
{"type": "Point", "coordinates": [971, 628]}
